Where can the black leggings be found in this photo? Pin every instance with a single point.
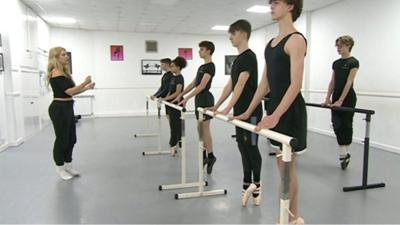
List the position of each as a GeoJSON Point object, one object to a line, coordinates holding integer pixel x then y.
{"type": "Point", "coordinates": [62, 115]}
{"type": "Point", "coordinates": [251, 157]}
{"type": "Point", "coordinates": [175, 124]}
{"type": "Point", "coordinates": [343, 121]}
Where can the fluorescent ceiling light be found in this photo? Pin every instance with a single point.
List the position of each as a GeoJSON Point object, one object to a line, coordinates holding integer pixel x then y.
{"type": "Point", "coordinates": [259, 9]}
{"type": "Point", "coordinates": [60, 20]}
{"type": "Point", "coordinates": [220, 27]}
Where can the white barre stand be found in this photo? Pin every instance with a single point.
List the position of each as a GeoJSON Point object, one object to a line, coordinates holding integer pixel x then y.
{"type": "Point", "coordinates": [183, 183]}
{"type": "Point", "coordinates": [201, 192]}
{"type": "Point", "coordinates": [144, 135]}
{"type": "Point", "coordinates": [287, 143]}
{"type": "Point", "coordinates": [158, 135]}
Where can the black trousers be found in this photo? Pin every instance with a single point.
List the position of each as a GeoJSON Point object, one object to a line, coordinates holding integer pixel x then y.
{"type": "Point", "coordinates": [343, 121]}
{"type": "Point", "coordinates": [62, 115]}
{"type": "Point", "coordinates": [251, 157]}
{"type": "Point", "coordinates": [175, 124]}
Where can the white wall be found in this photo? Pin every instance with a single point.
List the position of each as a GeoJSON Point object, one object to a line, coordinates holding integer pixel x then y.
{"type": "Point", "coordinates": [375, 30]}
{"type": "Point", "coordinates": [120, 87]}
{"type": "Point", "coordinates": [23, 33]}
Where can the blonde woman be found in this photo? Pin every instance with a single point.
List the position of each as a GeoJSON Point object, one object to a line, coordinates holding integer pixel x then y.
{"type": "Point", "coordinates": [61, 110]}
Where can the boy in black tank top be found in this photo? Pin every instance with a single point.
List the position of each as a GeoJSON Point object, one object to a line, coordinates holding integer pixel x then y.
{"type": "Point", "coordinates": [282, 79]}
{"type": "Point", "coordinates": [201, 89]}
{"type": "Point", "coordinates": [342, 93]}
{"type": "Point", "coordinates": [242, 85]}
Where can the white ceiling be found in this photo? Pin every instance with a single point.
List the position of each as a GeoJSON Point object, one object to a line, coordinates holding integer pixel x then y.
{"type": "Point", "coordinates": [157, 16]}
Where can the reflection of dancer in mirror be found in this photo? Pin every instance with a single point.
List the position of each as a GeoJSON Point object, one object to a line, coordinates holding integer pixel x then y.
{"type": "Point", "coordinates": [61, 110]}
{"type": "Point", "coordinates": [342, 93]}
{"type": "Point", "coordinates": [243, 85]}
{"type": "Point", "coordinates": [203, 98]}
{"type": "Point", "coordinates": [282, 78]}
{"type": "Point", "coordinates": [176, 86]}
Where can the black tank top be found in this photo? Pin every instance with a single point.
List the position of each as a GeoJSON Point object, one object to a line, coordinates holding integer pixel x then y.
{"type": "Point", "coordinates": [59, 85]}
{"type": "Point", "coordinates": [278, 69]}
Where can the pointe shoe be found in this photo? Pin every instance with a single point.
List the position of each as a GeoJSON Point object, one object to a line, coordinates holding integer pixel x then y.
{"type": "Point", "coordinates": [247, 193]}
{"type": "Point", "coordinates": [299, 220]}
{"type": "Point", "coordinates": [173, 151]}
{"type": "Point", "coordinates": [210, 164]}
{"type": "Point", "coordinates": [63, 174]}
{"type": "Point", "coordinates": [344, 162]}
{"type": "Point", "coordinates": [257, 200]}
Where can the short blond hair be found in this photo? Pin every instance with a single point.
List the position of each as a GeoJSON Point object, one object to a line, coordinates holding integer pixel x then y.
{"type": "Point", "coordinates": [345, 40]}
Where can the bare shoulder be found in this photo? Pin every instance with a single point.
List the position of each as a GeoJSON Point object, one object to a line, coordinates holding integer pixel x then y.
{"type": "Point", "coordinates": [297, 40]}
{"type": "Point", "coordinates": [296, 44]}
{"type": "Point", "coordinates": [56, 73]}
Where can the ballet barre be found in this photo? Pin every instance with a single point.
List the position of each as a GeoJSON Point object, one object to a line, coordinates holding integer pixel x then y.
{"type": "Point", "coordinates": [159, 150]}
{"type": "Point", "coordinates": [183, 183]}
{"type": "Point", "coordinates": [368, 114]}
{"type": "Point", "coordinates": [287, 144]}
{"type": "Point", "coordinates": [148, 98]}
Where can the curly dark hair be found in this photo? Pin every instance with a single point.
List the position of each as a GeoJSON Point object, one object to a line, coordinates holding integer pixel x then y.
{"type": "Point", "coordinates": [180, 62]}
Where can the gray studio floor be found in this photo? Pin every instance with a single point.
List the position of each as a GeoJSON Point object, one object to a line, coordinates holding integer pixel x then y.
{"type": "Point", "coordinates": [119, 185]}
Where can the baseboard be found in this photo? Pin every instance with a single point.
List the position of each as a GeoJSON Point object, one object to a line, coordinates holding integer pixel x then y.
{"type": "Point", "coordinates": [125, 114]}
{"type": "Point", "coordinates": [16, 143]}
{"type": "Point", "coordinates": [3, 147]}
{"type": "Point", "coordinates": [374, 144]}
{"type": "Point", "coordinates": [389, 148]}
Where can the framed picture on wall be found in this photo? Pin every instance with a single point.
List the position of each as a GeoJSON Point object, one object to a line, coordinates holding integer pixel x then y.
{"type": "Point", "coordinates": [70, 61]}
{"type": "Point", "coordinates": [186, 53]}
{"type": "Point", "coordinates": [1, 62]}
{"type": "Point", "coordinates": [151, 67]}
{"type": "Point", "coordinates": [117, 52]}
{"type": "Point", "coordinates": [229, 59]}
{"type": "Point", "coordinates": [151, 46]}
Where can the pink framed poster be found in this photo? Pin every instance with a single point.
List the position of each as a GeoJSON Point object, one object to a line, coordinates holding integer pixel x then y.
{"type": "Point", "coordinates": [117, 52]}
{"type": "Point", "coordinates": [186, 53]}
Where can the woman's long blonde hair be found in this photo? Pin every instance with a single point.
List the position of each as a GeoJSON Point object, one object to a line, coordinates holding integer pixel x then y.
{"type": "Point", "coordinates": [54, 63]}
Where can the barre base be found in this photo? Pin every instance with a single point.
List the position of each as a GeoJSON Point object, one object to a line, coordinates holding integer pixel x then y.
{"type": "Point", "coordinates": [364, 187]}
{"type": "Point", "coordinates": [156, 153]}
{"type": "Point", "coordinates": [145, 135]}
{"type": "Point", "coordinates": [201, 194]}
{"type": "Point", "coordinates": [179, 186]}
